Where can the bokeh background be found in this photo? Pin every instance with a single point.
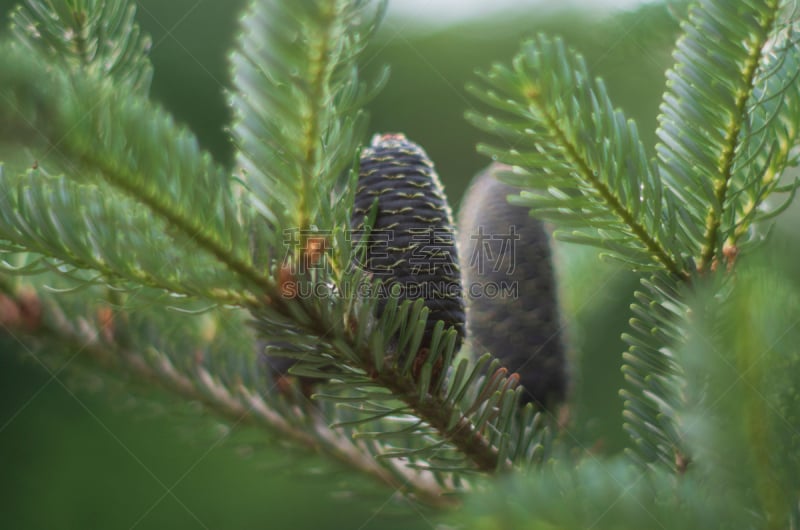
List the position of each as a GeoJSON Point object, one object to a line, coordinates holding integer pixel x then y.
{"type": "Point", "coordinates": [74, 458]}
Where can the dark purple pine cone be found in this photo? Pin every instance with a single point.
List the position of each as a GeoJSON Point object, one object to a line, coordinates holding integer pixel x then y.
{"type": "Point", "coordinates": [512, 307]}
{"type": "Point", "coordinates": [411, 247]}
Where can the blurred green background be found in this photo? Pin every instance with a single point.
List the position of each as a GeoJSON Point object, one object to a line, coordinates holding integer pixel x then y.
{"type": "Point", "coordinates": [100, 460]}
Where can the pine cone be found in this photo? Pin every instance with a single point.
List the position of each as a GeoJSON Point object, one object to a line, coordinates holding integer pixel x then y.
{"type": "Point", "coordinates": [512, 307]}
{"type": "Point", "coordinates": [412, 246]}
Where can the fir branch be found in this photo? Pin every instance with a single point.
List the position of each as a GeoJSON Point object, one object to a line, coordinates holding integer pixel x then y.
{"type": "Point", "coordinates": [104, 347]}
{"type": "Point", "coordinates": [297, 105]}
{"type": "Point", "coordinates": [321, 65]}
{"type": "Point", "coordinates": [133, 184]}
{"type": "Point", "coordinates": [586, 150]}
{"type": "Point", "coordinates": [652, 397]}
{"type": "Point", "coordinates": [465, 412]}
{"type": "Point", "coordinates": [98, 37]}
{"type": "Point", "coordinates": [625, 215]}
{"type": "Point", "coordinates": [92, 229]}
{"type": "Point", "coordinates": [727, 137]}
{"type": "Point", "coordinates": [131, 145]}
{"type": "Point", "coordinates": [437, 412]}
{"type": "Point", "coordinates": [472, 410]}
{"type": "Point", "coordinates": [733, 131]}
{"type": "Point", "coordinates": [770, 138]}
{"type": "Point", "coordinates": [701, 129]}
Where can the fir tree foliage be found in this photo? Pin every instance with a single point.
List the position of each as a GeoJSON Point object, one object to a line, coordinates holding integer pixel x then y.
{"type": "Point", "coordinates": [724, 140]}
{"type": "Point", "coordinates": [122, 238]}
{"type": "Point", "coordinates": [112, 144]}
{"type": "Point", "coordinates": [298, 99]}
{"type": "Point", "coordinates": [594, 179]}
{"type": "Point", "coordinates": [728, 133]}
{"type": "Point", "coordinates": [740, 360]}
{"type": "Point", "coordinates": [101, 38]}
{"type": "Point", "coordinates": [117, 196]}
